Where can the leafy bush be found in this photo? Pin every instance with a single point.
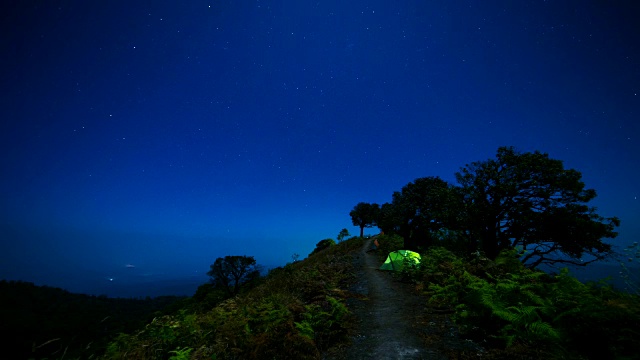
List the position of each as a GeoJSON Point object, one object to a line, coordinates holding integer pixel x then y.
{"type": "Point", "coordinates": [181, 354]}
{"type": "Point", "coordinates": [389, 243]}
{"type": "Point", "coordinates": [207, 296]}
{"type": "Point", "coordinates": [516, 311]}
{"type": "Point", "coordinates": [324, 324]}
{"type": "Point", "coordinates": [436, 266]}
{"type": "Point", "coordinates": [598, 321]}
{"type": "Point", "coordinates": [502, 303]}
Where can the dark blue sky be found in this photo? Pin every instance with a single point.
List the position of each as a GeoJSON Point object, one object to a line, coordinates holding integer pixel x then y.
{"type": "Point", "coordinates": [166, 134]}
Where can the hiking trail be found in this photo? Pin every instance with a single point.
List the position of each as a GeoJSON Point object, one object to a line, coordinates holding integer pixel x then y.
{"type": "Point", "coordinates": [392, 323]}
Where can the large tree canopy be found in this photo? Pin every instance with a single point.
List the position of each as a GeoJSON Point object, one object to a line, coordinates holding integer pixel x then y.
{"type": "Point", "coordinates": [421, 210]}
{"type": "Point", "coordinates": [518, 200]}
{"type": "Point", "coordinates": [231, 272]}
{"type": "Point", "coordinates": [529, 200]}
{"type": "Point", "coordinates": [365, 215]}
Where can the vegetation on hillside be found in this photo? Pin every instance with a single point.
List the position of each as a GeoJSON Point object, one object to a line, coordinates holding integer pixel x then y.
{"type": "Point", "coordinates": [516, 312]}
{"type": "Point", "coordinates": [480, 242]}
{"type": "Point", "coordinates": [45, 322]}
{"type": "Point", "coordinates": [299, 312]}
{"type": "Point", "coordinates": [502, 304]}
{"type": "Point", "coordinates": [323, 244]}
{"type": "Point", "coordinates": [295, 312]}
{"type": "Point", "coordinates": [231, 273]}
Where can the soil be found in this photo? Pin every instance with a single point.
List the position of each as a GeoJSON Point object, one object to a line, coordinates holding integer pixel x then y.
{"type": "Point", "coordinates": [393, 319]}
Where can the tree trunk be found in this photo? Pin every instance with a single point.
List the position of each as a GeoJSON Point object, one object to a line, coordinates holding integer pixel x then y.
{"type": "Point", "coordinates": [361, 231]}
{"type": "Point", "coordinates": [490, 243]}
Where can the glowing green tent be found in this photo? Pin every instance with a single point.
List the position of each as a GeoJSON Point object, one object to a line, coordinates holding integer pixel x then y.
{"type": "Point", "coordinates": [395, 260]}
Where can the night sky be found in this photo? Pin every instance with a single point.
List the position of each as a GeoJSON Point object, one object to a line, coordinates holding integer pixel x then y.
{"type": "Point", "coordinates": [165, 134]}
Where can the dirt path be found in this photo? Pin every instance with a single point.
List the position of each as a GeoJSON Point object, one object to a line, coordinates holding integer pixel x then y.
{"type": "Point", "coordinates": [389, 315]}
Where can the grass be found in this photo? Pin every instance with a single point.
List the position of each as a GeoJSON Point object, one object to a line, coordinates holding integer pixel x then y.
{"type": "Point", "coordinates": [297, 311]}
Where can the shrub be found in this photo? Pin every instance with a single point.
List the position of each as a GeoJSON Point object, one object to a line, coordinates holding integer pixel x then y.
{"type": "Point", "coordinates": [598, 321]}
{"type": "Point", "coordinates": [506, 304]}
{"type": "Point", "coordinates": [323, 244]}
{"type": "Point", "coordinates": [324, 324]}
{"type": "Point", "coordinates": [389, 243]}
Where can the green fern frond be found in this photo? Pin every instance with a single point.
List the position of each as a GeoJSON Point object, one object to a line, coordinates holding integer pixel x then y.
{"type": "Point", "coordinates": [524, 315]}
{"type": "Point", "coordinates": [305, 329]}
{"type": "Point", "coordinates": [505, 315]}
{"type": "Point", "coordinates": [543, 330]}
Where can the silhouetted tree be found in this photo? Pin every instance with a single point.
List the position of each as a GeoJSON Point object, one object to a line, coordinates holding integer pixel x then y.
{"type": "Point", "coordinates": [342, 235]}
{"type": "Point", "coordinates": [365, 215]}
{"type": "Point", "coordinates": [231, 272]}
{"type": "Point", "coordinates": [421, 211]}
{"type": "Point", "coordinates": [529, 200]}
{"type": "Point", "coordinates": [388, 220]}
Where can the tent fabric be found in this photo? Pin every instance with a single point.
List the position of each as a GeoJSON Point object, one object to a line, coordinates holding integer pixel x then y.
{"type": "Point", "coordinates": [395, 260]}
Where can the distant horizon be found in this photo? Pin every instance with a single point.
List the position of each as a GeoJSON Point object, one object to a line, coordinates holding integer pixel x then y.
{"type": "Point", "coordinates": [130, 278]}
{"type": "Point", "coordinates": [66, 268]}
{"type": "Point", "coordinates": [130, 285]}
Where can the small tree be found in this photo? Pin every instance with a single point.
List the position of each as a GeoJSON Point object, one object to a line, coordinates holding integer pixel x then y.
{"type": "Point", "coordinates": [343, 234]}
{"type": "Point", "coordinates": [365, 215]}
{"type": "Point", "coordinates": [231, 272]}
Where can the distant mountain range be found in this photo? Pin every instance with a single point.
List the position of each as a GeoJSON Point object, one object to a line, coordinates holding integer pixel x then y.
{"type": "Point", "coordinates": [185, 286]}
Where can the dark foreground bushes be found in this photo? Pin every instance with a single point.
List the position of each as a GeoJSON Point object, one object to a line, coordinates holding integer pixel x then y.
{"type": "Point", "coordinates": [501, 304]}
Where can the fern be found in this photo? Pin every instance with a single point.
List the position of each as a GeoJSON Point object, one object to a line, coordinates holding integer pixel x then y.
{"type": "Point", "coordinates": [181, 353]}
{"type": "Point", "coordinates": [305, 329]}
{"type": "Point", "coordinates": [317, 320]}
{"type": "Point", "coordinates": [543, 330]}
{"type": "Point", "coordinates": [503, 300]}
